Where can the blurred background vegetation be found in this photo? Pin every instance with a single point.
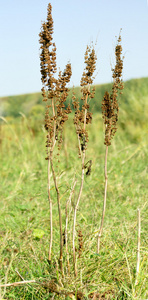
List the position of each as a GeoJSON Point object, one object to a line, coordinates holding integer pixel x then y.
{"type": "Point", "coordinates": [134, 101]}
{"type": "Point", "coordinates": [133, 105]}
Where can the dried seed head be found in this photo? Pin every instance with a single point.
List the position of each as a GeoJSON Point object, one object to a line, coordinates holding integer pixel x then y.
{"type": "Point", "coordinates": [47, 57]}
{"type": "Point", "coordinates": [83, 116]}
{"type": "Point", "coordinates": [90, 62]}
{"type": "Point", "coordinates": [54, 90]}
{"type": "Point", "coordinates": [110, 107]}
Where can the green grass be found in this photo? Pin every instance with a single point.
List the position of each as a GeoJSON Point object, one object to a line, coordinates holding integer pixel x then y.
{"type": "Point", "coordinates": [135, 96]}
{"type": "Point", "coordinates": [25, 210]}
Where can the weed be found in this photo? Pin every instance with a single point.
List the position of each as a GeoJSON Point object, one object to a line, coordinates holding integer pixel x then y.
{"type": "Point", "coordinates": [24, 222]}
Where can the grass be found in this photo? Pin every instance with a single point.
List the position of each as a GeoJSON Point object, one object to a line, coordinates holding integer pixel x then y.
{"type": "Point", "coordinates": [135, 93]}
{"type": "Point", "coordinates": [24, 222]}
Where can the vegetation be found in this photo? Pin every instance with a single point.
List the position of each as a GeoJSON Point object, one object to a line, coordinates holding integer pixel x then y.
{"type": "Point", "coordinates": [24, 222]}
{"type": "Point", "coordinates": [117, 268]}
{"type": "Point", "coordinates": [134, 100]}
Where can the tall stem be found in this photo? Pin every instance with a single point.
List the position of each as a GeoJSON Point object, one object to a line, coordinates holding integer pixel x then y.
{"type": "Point", "coordinates": [85, 113]}
{"type": "Point", "coordinates": [49, 197]}
{"type": "Point", "coordinates": [79, 195]}
{"type": "Point", "coordinates": [75, 212]}
{"type": "Point", "coordinates": [59, 211]}
{"type": "Point", "coordinates": [50, 206]}
{"type": "Point", "coordinates": [54, 128]}
{"type": "Point", "coordinates": [104, 202]}
{"type": "Point", "coordinates": [66, 224]}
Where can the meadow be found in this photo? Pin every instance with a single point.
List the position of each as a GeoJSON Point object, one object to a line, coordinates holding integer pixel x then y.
{"type": "Point", "coordinates": [24, 207]}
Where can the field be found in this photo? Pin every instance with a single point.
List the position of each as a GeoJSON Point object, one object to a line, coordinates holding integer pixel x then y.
{"type": "Point", "coordinates": [24, 222]}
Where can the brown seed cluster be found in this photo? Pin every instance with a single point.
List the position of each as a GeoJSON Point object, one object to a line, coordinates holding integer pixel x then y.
{"type": "Point", "coordinates": [110, 107]}
{"type": "Point", "coordinates": [54, 91]}
{"type": "Point", "coordinates": [83, 116]}
{"type": "Point", "coordinates": [47, 56]}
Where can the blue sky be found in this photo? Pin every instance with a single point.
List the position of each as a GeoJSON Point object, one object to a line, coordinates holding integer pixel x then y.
{"type": "Point", "coordinates": [76, 24]}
